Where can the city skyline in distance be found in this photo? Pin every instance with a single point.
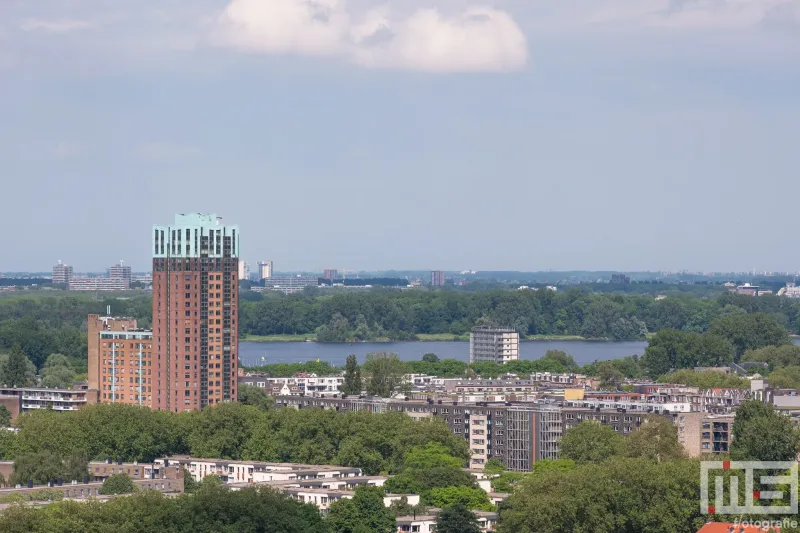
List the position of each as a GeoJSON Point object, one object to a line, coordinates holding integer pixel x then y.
{"type": "Point", "coordinates": [602, 136]}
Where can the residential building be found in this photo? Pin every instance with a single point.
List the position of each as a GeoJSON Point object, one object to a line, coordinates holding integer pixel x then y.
{"type": "Point", "coordinates": [437, 278]}
{"type": "Point", "coordinates": [195, 312]}
{"type": "Point", "coordinates": [620, 420]}
{"type": "Point", "coordinates": [244, 270]}
{"type": "Point", "coordinates": [702, 433]}
{"type": "Point", "coordinates": [331, 273]}
{"type": "Point", "coordinates": [98, 283]}
{"type": "Point", "coordinates": [426, 523]}
{"type": "Point", "coordinates": [120, 365]}
{"type": "Point", "coordinates": [264, 270]}
{"type": "Point", "coordinates": [532, 433]}
{"type": "Point", "coordinates": [121, 271]}
{"type": "Point", "coordinates": [290, 284]}
{"type": "Point", "coordinates": [749, 290]}
{"type": "Point", "coordinates": [299, 384]}
{"type": "Point", "coordinates": [494, 344]}
{"type": "Point", "coordinates": [791, 290]}
{"type": "Point", "coordinates": [621, 279]}
{"type": "Point", "coordinates": [62, 273]}
{"type": "Point", "coordinates": [22, 400]}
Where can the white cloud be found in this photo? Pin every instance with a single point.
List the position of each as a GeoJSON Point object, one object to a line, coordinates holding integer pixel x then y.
{"type": "Point", "coordinates": [475, 39]}
{"type": "Point", "coordinates": [54, 26]}
{"type": "Point", "coordinates": [167, 152]}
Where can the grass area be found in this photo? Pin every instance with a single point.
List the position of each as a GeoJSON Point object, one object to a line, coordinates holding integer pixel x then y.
{"type": "Point", "coordinates": [279, 338]}
{"type": "Point", "coordinates": [555, 338]}
{"type": "Point", "coordinates": [442, 337]}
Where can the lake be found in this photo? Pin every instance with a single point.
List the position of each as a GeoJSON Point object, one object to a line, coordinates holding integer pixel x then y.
{"type": "Point", "coordinates": [583, 352]}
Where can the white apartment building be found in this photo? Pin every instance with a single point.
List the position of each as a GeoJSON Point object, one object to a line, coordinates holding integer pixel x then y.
{"type": "Point", "coordinates": [493, 344]}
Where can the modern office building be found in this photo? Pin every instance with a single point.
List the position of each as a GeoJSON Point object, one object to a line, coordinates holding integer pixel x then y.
{"type": "Point", "coordinates": [99, 283]}
{"type": "Point", "coordinates": [264, 270]}
{"type": "Point", "coordinates": [244, 270]}
{"type": "Point", "coordinates": [290, 284]}
{"type": "Point", "coordinates": [121, 271]}
{"type": "Point", "coordinates": [489, 343]}
{"type": "Point", "coordinates": [195, 312]}
{"type": "Point", "coordinates": [331, 273]}
{"type": "Point", "coordinates": [437, 278]}
{"type": "Point", "coordinates": [62, 273]}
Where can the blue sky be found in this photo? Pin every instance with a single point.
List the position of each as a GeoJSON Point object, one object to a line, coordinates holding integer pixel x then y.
{"type": "Point", "coordinates": [524, 135]}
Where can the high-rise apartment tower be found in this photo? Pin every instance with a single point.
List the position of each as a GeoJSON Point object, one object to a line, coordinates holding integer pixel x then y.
{"type": "Point", "coordinates": [62, 273]}
{"type": "Point", "coordinates": [264, 270]}
{"type": "Point", "coordinates": [195, 312]}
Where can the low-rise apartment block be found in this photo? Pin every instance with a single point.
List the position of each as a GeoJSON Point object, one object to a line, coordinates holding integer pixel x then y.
{"type": "Point", "coordinates": [296, 385]}
{"type": "Point", "coordinates": [35, 398]}
{"type": "Point", "coordinates": [702, 433]}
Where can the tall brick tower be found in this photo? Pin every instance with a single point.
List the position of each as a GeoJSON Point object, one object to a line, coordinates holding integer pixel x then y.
{"type": "Point", "coordinates": [195, 312]}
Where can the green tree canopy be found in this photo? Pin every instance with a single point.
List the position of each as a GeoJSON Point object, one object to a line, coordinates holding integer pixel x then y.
{"type": "Point", "coordinates": [471, 497]}
{"type": "Point", "coordinates": [762, 434]}
{"type": "Point", "coordinates": [384, 373]}
{"type": "Point", "coordinates": [750, 331]}
{"type": "Point", "coordinates": [457, 518]}
{"type": "Point", "coordinates": [656, 439]}
{"type": "Point", "coordinates": [16, 370]}
{"type": "Point", "coordinates": [589, 442]}
{"type": "Point", "coordinates": [352, 377]}
{"type": "Point", "coordinates": [365, 512]}
{"type": "Point", "coordinates": [255, 396]}
{"type": "Point", "coordinates": [117, 484]}
{"type": "Point", "coordinates": [44, 466]}
{"type": "Point", "coordinates": [57, 372]}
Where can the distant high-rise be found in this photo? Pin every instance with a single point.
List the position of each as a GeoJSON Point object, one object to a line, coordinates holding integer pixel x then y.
{"type": "Point", "coordinates": [121, 271]}
{"type": "Point", "coordinates": [195, 312]}
{"type": "Point", "coordinates": [331, 273]}
{"type": "Point", "coordinates": [62, 273]}
{"type": "Point", "coordinates": [264, 270]}
{"type": "Point", "coordinates": [437, 278]}
{"type": "Point", "coordinates": [244, 270]}
{"type": "Point", "coordinates": [497, 345]}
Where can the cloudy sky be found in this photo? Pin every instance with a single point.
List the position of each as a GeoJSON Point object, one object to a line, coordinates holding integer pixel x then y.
{"type": "Point", "coordinates": [365, 134]}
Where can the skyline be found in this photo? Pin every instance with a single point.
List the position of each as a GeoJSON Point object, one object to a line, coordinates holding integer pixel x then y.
{"type": "Point", "coordinates": [527, 136]}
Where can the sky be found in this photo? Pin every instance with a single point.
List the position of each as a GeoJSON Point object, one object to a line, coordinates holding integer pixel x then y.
{"type": "Point", "coordinates": [405, 134]}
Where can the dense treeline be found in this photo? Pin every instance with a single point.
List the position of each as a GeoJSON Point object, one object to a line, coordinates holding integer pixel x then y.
{"type": "Point", "coordinates": [376, 443]}
{"type": "Point", "coordinates": [57, 325]}
{"type": "Point", "coordinates": [211, 509]}
{"type": "Point", "coordinates": [397, 314]}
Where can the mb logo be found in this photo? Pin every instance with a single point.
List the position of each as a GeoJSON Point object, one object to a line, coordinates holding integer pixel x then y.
{"type": "Point", "coordinates": [758, 475]}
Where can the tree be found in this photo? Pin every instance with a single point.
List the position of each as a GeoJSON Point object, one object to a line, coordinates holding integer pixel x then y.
{"type": "Point", "coordinates": [57, 372]}
{"type": "Point", "coordinates": [785, 378]}
{"type": "Point", "coordinates": [707, 379]}
{"type": "Point", "coordinates": [17, 369]}
{"type": "Point", "coordinates": [750, 331]}
{"type": "Point", "coordinates": [363, 513]}
{"type": "Point", "coordinates": [775, 356]}
{"type": "Point", "coordinates": [589, 442]}
{"type": "Point", "coordinates": [430, 358]}
{"type": "Point", "coordinates": [337, 330]}
{"type": "Point", "coordinates": [5, 416]}
{"type": "Point", "coordinates": [117, 484]}
{"type": "Point", "coordinates": [385, 373]}
{"type": "Point", "coordinates": [352, 377]}
{"type": "Point", "coordinates": [432, 455]}
{"type": "Point", "coordinates": [473, 498]}
{"type": "Point", "coordinates": [610, 377]}
{"type": "Point", "coordinates": [189, 484]}
{"type": "Point", "coordinates": [762, 434]}
{"type": "Point", "coordinates": [620, 494]}
{"type": "Point", "coordinates": [44, 466]}
{"type": "Point", "coordinates": [656, 439]}
{"type": "Point", "coordinates": [457, 518]}
{"type": "Point", "coordinates": [255, 396]}
{"type": "Point", "coordinates": [494, 466]}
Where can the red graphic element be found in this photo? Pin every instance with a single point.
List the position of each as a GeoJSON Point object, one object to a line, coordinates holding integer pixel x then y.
{"type": "Point", "coordinates": [756, 495]}
{"type": "Point", "coordinates": [726, 465]}
{"type": "Point", "coordinates": [712, 509]}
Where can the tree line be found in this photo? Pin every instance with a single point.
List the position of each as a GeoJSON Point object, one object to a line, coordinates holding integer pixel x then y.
{"type": "Point", "coordinates": [402, 314]}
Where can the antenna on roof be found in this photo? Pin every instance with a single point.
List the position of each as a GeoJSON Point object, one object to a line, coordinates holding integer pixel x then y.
{"type": "Point", "coordinates": [108, 310]}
